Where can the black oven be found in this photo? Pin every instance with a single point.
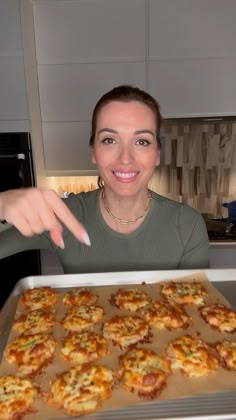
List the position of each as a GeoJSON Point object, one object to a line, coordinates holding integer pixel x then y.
{"type": "Point", "coordinates": [16, 171]}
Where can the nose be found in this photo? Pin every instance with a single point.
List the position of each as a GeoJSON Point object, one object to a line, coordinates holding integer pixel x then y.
{"type": "Point", "coordinates": [126, 154]}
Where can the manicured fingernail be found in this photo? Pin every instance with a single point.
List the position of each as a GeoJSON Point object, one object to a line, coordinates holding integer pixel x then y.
{"type": "Point", "coordinates": [86, 239]}
{"type": "Point", "coordinates": [61, 244]}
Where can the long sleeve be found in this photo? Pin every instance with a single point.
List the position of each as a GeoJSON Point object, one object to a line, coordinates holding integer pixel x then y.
{"type": "Point", "coordinates": [12, 242]}
{"type": "Point", "coordinates": [195, 241]}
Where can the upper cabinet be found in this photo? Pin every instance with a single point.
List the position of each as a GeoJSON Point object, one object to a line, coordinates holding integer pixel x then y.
{"type": "Point", "coordinates": [89, 31]}
{"type": "Point", "coordinates": [183, 52]}
{"type": "Point", "coordinates": [13, 100]}
{"type": "Point", "coordinates": [83, 49]}
{"type": "Point", "coordinates": [192, 56]}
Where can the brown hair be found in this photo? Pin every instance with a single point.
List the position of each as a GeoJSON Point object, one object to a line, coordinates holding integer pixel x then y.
{"type": "Point", "coordinates": [126, 93]}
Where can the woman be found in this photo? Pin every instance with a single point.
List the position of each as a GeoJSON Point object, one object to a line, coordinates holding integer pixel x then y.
{"type": "Point", "coordinates": [128, 226]}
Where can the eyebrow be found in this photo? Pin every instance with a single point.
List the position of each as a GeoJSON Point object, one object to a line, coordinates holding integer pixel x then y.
{"type": "Point", "coordinates": [110, 130]}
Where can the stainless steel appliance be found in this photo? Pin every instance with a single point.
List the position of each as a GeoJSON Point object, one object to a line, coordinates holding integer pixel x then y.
{"type": "Point", "coordinates": [16, 171]}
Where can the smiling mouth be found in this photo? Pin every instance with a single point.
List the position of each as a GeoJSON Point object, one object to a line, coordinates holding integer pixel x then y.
{"type": "Point", "coordinates": [125, 175]}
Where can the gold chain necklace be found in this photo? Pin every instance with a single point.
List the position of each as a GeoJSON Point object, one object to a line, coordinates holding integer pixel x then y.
{"type": "Point", "coordinates": [123, 221]}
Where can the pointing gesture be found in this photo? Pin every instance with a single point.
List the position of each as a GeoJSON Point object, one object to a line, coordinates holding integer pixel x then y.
{"type": "Point", "coordinates": [33, 211]}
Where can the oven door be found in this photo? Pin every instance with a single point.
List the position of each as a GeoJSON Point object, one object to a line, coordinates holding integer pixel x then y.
{"type": "Point", "coordinates": [13, 171]}
{"type": "Point", "coordinates": [16, 172]}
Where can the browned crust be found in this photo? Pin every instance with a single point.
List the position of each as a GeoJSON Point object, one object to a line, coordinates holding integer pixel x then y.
{"type": "Point", "coordinates": [183, 350]}
{"type": "Point", "coordinates": [183, 298]}
{"type": "Point", "coordinates": [100, 343]}
{"type": "Point", "coordinates": [135, 300]}
{"type": "Point", "coordinates": [148, 385]}
{"type": "Point", "coordinates": [165, 315]}
{"type": "Point", "coordinates": [14, 356]}
{"type": "Point", "coordinates": [230, 354]}
{"type": "Point", "coordinates": [43, 323]}
{"type": "Point", "coordinates": [19, 407]}
{"type": "Point", "coordinates": [28, 302]}
{"type": "Point", "coordinates": [79, 296]}
{"type": "Point", "coordinates": [142, 339]}
{"type": "Point", "coordinates": [214, 311]}
{"type": "Point", "coordinates": [95, 397]}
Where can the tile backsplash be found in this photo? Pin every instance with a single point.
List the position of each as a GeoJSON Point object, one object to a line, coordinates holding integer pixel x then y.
{"type": "Point", "coordinates": [198, 165]}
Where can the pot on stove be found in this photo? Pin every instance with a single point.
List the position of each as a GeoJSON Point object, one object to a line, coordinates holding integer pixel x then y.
{"type": "Point", "coordinates": [231, 210]}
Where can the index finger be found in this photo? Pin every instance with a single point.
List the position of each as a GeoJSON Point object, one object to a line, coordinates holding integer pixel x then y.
{"type": "Point", "coordinates": [65, 216]}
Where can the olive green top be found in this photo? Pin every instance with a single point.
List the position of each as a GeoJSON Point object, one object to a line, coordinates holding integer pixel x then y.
{"type": "Point", "coordinates": [172, 236]}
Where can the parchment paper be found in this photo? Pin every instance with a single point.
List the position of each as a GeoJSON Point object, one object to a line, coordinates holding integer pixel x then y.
{"type": "Point", "coordinates": [178, 385]}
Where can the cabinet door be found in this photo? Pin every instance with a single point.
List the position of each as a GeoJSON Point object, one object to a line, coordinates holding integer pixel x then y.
{"type": "Point", "coordinates": [194, 88]}
{"type": "Point", "coordinates": [192, 53]}
{"type": "Point", "coordinates": [89, 31]}
{"type": "Point", "coordinates": [70, 92]}
{"type": "Point", "coordinates": [83, 49]}
{"type": "Point", "coordinates": [13, 100]}
{"type": "Point", "coordinates": [67, 99]}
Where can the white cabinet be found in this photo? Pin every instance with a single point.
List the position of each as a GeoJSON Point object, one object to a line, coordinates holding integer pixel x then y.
{"type": "Point", "coordinates": [69, 92]}
{"type": "Point", "coordinates": [83, 49]}
{"type": "Point", "coordinates": [192, 53]}
{"type": "Point", "coordinates": [222, 255]}
{"type": "Point", "coordinates": [183, 52]}
{"type": "Point", "coordinates": [13, 99]}
{"type": "Point", "coordinates": [194, 87]}
{"type": "Point", "coordinates": [89, 31]}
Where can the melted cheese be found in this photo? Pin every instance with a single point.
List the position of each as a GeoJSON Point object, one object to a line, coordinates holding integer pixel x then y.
{"type": "Point", "coordinates": [220, 317]}
{"type": "Point", "coordinates": [39, 298]}
{"type": "Point", "coordinates": [16, 397]}
{"type": "Point", "coordinates": [81, 389]}
{"type": "Point", "coordinates": [184, 292]}
{"type": "Point", "coordinates": [144, 371]}
{"type": "Point", "coordinates": [125, 330]}
{"type": "Point", "coordinates": [162, 315]}
{"type": "Point", "coordinates": [80, 318]}
{"type": "Point", "coordinates": [227, 352]}
{"type": "Point", "coordinates": [78, 297]}
{"type": "Point", "coordinates": [192, 356]}
{"type": "Point", "coordinates": [30, 352]}
{"type": "Point", "coordinates": [84, 347]}
{"type": "Point", "coordinates": [130, 299]}
{"type": "Point", "coordinates": [35, 322]}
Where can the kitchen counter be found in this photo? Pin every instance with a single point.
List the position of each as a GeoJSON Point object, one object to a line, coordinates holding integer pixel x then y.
{"type": "Point", "coordinates": [225, 242]}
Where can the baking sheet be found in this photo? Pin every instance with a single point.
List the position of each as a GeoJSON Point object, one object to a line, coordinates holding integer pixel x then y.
{"type": "Point", "coordinates": [178, 386]}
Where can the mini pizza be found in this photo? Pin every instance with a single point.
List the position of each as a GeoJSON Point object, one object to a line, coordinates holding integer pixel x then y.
{"type": "Point", "coordinates": [80, 318]}
{"type": "Point", "coordinates": [35, 322]}
{"type": "Point", "coordinates": [219, 317]}
{"type": "Point", "coordinates": [39, 298]}
{"type": "Point", "coordinates": [16, 397]}
{"type": "Point", "coordinates": [192, 356]}
{"type": "Point", "coordinates": [144, 372]}
{"type": "Point", "coordinates": [227, 353]}
{"type": "Point", "coordinates": [78, 296]}
{"type": "Point", "coordinates": [84, 347]}
{"type": "Point", "coordinates": [126, 330]}
{"type": "Point", "coordinates": [130, 299]}
{"type": "Point", "coordinates": [165, 316]}
{"type": "Point", "coordinates": [81, 390]}
{"type": "Point", "coordinates": [184, 293]}
{"type": "Point", "coordinates": [31, 353]}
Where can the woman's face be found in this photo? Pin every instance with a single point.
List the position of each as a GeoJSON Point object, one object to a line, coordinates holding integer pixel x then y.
{"type": "Point", "coordinates": [125, 147]}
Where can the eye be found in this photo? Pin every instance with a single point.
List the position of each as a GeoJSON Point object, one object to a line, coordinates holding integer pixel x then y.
{"type": "Point", "coordinates": [143, 142]}
{"type": "Point", "coordinates": [108, 140]}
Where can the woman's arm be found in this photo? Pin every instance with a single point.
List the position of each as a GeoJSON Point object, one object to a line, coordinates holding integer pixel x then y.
{"type": "Point", "coordinates": [12, 242]}
{"type": "Point", "coordinates": [33, 211]}
{"type": "Point", "coordinates": [195, 239]}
